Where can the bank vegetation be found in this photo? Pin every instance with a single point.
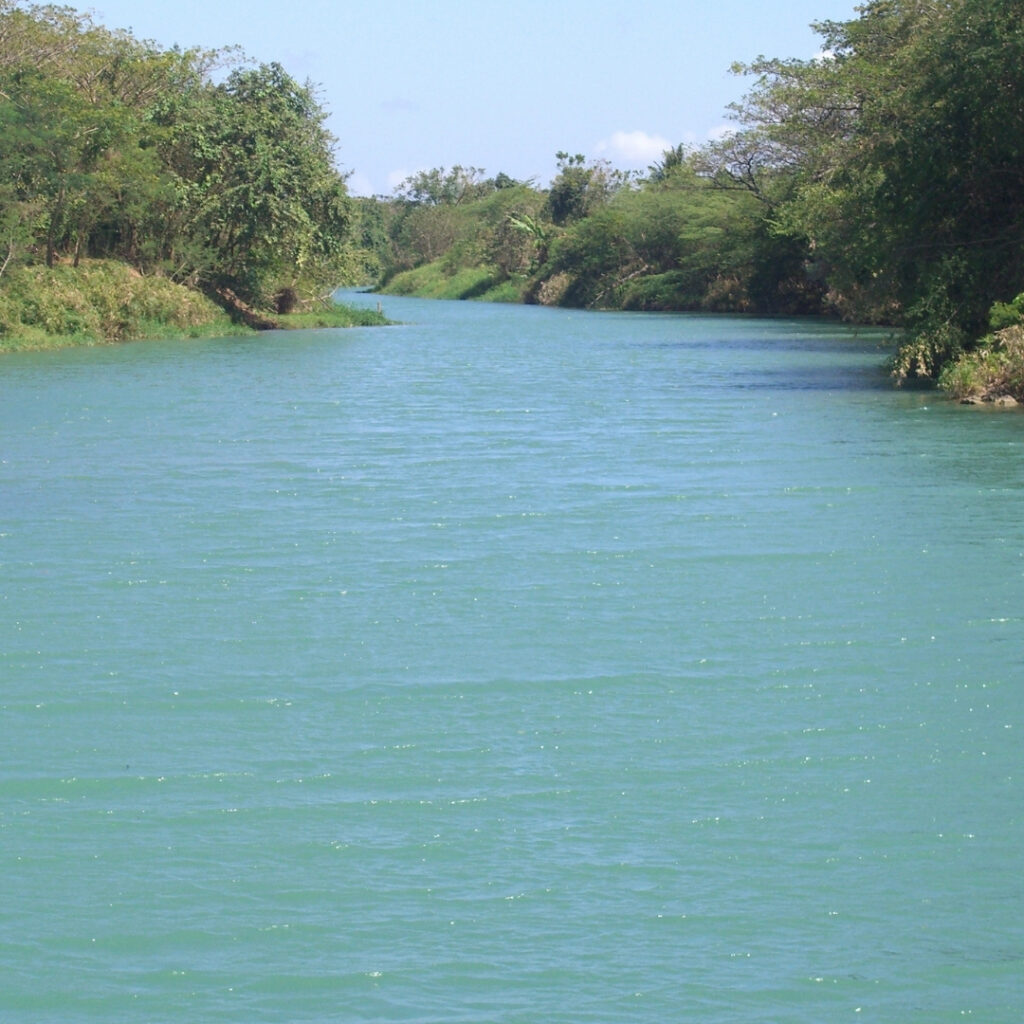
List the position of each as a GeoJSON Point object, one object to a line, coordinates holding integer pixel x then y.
{"type": "Point", "coordinates": [145, 190]}
{"type": "Point", "coordinates": [881, 182]}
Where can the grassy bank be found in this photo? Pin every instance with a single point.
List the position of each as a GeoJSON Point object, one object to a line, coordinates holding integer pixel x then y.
{"type": "Point", "coordinates": [441, 280]}
{"type": "Point", "coordinates": [96, 302]}
{"type": "Point", "coordinates": [336, 316]}
{"type": "Point", "coordinates": [101, 302]}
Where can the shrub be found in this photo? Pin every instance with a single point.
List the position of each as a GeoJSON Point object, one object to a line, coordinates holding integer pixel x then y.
{"type": "Point", "coordinates": [1006, 314]}
{"type": "Point", "coordinates": [994, 369]}
{"type": "Point", "coordinates": [924, 355]}
{"type": "Point", "coordinates": [98, 301]}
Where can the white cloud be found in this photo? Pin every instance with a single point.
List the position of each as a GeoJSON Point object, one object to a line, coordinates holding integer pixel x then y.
{"type": "Point", "coordinates": [721, 131]}
{"type": "Point", "coordinates": [395, 178]}
{"type": "Point", "coordinates": [637, 148]}
{"type": "Point", "coordinates": [359, 184]}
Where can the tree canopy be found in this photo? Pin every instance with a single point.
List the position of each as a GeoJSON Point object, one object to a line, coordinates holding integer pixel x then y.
{"type": "Point", "coordinates": [114, 147]}
{"type": "Point", "coordinates": [896, 154]}
{"type": "Point", "coordinates": [881, 181]}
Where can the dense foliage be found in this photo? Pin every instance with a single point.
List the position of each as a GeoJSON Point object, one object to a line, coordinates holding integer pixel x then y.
{"type": "Point", "coordinates": [897, 155]}
{"type": "Point", "coordinates": [99, 300]}
{"type": "Point", "coordinates": [111, 147]}
{"type": "Point", "coordinates": [882, 181]}
{"type": "Point", "coordinates": [595, 237]}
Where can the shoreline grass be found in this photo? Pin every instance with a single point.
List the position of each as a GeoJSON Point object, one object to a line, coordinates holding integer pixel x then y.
{"type": "Point", "coordinates": [103, 302]}
{"type": "Point", "coordinates": [338, 315]}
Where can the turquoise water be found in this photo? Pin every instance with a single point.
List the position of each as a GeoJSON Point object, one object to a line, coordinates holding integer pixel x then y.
{"type": "Point", "coordinates": [508, 665]}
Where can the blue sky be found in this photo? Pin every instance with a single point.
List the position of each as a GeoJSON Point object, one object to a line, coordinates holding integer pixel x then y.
{"type": "Point", "coordinates": [501, 86]}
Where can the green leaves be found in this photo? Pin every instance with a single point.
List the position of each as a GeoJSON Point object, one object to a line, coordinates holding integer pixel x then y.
{"type": "Point", "coordinates": [441, 187]}
{"type": "Point", "coordinates": [112, 147]}
{"type": "Point", "coordinates": [259, 185]}
{"type": "Point", "coordinates": [579, 188]}
{"type": "Point", "coordinates": [898, 155]}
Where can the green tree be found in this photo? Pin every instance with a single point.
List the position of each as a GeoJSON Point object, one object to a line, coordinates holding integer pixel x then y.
{"type": "Point", "coordinates": [51, 142]}
{"type": "Point", "coordinates": [264, 207]}
{"type": "Point", "coordinates": [897, 155]}
{"type": "Point", "coordinates": [580, 188]}
{"type": "Point", "coordinates": [77, 135]}
{"type": "Point", "coordinates": [677, 243]}
{"type": "Point", "coordinates": [441, 187]}
{"type": "Point", "coordinates": [672, 160]}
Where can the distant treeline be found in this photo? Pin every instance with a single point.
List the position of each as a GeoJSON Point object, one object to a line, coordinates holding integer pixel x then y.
{"type": "Point", "coordinates": [882, 181]}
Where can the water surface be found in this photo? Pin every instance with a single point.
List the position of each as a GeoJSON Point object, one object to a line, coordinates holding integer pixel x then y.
{"type": "Point", "coordinates": [508, 665]}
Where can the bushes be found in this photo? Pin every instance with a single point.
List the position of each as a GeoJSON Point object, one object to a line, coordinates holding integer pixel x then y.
{"type": "Point", "coordinates": [103, 301]}
{"type": "Point", "coordinates": [993, 370]}
{"type": "Point", "coordinates": [98, 301]}
{"type": "Point", "coordinates": [995, 367]}
{"type": "Point", "coordinates": [1006, 314]}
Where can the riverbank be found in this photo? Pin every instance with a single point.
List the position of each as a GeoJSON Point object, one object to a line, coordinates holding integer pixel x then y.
{"type": "Point", "coordinates": [991, 372]}
{"type": "Point", "coordinates": [103, 302]}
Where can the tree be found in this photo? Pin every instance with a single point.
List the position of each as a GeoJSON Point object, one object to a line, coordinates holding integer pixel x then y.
{"type": "Point", "coordinates": [579, 188]}
{"type": "Point", "coordinates": [440, 187]}
{"type": "Point", "coordinates": [263, 204]}
{"type": "Point", "coordinates": [51, 142]}
{"type": "Point", "coordinates": [671, 161]}
{"type": "Point", "coordinates": [897, 155]}
{"type": "Point", "coordinates": [113, 147]}
{"type": "Point", "coordinates": [678, 243]}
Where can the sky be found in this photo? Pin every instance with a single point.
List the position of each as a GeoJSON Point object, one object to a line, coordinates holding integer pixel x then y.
{"type": "Point", "coordinates": [498, 86]}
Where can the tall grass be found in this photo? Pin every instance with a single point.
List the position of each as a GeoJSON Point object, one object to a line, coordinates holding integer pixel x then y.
{"type": "Point", "coordinates": [104, 301]}
{"type": "Point", "coordinates": [99, 301]}
{"type": "Point", "coordinates": [438, 280]}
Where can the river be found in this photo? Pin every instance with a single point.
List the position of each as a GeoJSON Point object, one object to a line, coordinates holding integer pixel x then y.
{"type": "Point", "coordinates": [508, 665]}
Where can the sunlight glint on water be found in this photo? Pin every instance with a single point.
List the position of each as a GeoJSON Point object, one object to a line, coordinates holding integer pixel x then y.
{"type": "Point", "coordinates": [507, 665]}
